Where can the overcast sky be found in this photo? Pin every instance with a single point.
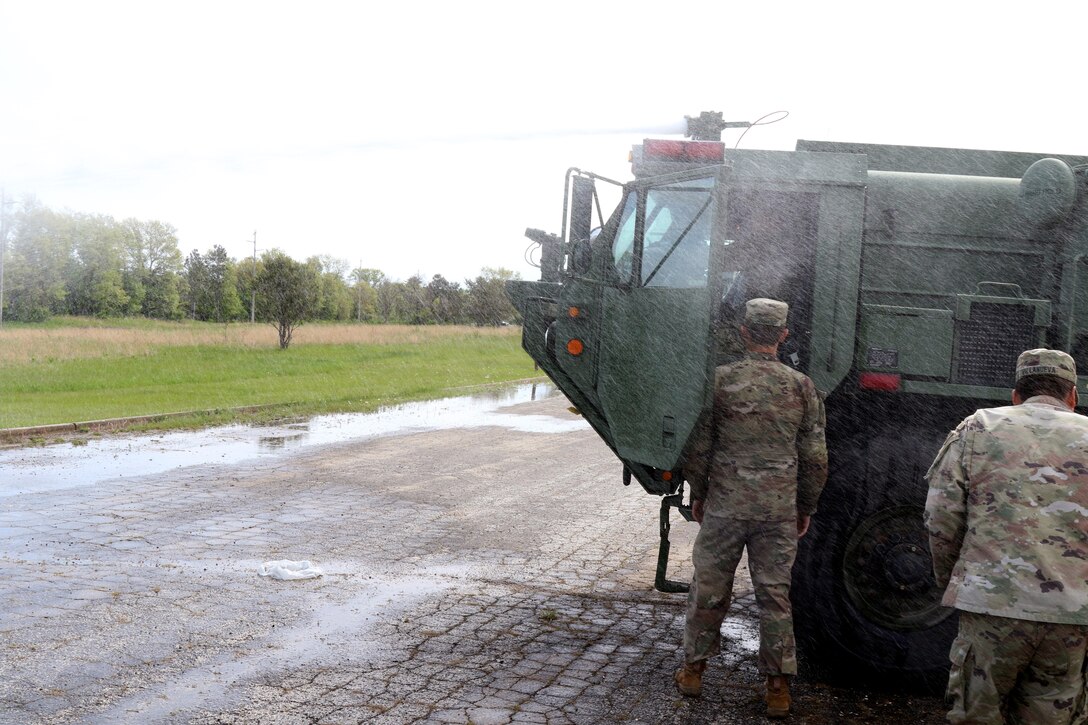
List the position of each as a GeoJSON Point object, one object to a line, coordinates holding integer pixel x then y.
{"type": "Point", "coordinates": [424, 137]}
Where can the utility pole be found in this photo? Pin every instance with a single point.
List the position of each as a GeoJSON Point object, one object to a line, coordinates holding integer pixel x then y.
{"type": "Point", "coordinates": [253, 285]}
{"type": "Point", "coordinates": [359, 291]}
{"type": "Point", "coordinates": [3, 246]}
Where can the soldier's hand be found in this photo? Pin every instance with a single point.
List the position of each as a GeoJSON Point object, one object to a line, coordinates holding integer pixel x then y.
{"type": "Point", "coordinates": [697, 510]}
{"type": "Point", "coordinates": [802, 525]}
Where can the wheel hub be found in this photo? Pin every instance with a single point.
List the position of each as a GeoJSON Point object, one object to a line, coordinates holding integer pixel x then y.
{"type": "Point", "coordinates": [887, 571]}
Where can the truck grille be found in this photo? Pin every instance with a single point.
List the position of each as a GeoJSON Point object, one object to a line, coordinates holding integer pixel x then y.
{"type": "Point", "coordinates": [990, 342]}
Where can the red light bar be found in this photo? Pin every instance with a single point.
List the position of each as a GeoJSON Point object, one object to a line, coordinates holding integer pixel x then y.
{"type": "Point", "coordinates": [706, 152]}
{"type": "Point", "coordinates": [880, 381]}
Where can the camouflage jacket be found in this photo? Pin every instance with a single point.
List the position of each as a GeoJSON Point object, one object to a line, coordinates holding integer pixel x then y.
{"type": "Point", "coordinates": [760, 453]}
{"type": "Point", "coordinates": [1007, 513]}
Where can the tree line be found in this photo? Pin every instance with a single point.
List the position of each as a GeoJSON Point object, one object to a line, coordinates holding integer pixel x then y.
{"type": "Point", "coordinates": [63, 263]}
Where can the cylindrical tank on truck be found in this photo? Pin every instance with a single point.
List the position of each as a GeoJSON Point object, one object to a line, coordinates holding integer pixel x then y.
{"type": "Point", "coordinates": [914, 275]}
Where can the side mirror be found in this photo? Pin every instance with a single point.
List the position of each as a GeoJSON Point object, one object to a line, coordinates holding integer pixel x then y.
{"type": "Point", "coordinates": [579, 235]}
{"type": "Point", "coordinates": [583, 191]}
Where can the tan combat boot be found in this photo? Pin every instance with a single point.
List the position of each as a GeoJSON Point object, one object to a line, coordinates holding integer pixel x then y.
{"type": "Point", "coordinates": [689, 678]}
{"type": "Point", "coordinates": [778, 696]}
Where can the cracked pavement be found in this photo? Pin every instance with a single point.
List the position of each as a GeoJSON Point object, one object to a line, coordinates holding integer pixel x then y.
{"type": "Point", "coordinates": [480, 575]}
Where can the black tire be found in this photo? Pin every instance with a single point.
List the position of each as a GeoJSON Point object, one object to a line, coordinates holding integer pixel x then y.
{"type": "Point", "coordinates": [866, 609]}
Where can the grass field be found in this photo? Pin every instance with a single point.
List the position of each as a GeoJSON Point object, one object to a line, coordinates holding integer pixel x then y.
{"type": "Point", "coordinates": [75, 370]}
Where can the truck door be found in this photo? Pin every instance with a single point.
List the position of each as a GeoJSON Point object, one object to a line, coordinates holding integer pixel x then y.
{"type": "Point", "coordinates": [656, 352]}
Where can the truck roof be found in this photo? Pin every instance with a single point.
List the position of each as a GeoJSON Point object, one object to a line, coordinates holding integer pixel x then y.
{"type": "Point", "coordinates": [936, 160]}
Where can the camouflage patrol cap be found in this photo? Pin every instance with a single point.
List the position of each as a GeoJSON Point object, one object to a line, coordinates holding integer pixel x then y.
{"type": "Point", "coordinates": [1046, 362]}
{"type": "Point", "coordinates": [763, 311]}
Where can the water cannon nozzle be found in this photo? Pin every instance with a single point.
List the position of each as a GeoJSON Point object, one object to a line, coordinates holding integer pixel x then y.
{"type": "Point", "coordinates": [708, 126]}
{"type": "Point", "coordinates": [541, 237]}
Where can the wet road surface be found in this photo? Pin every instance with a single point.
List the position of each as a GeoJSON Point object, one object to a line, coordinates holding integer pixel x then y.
{"type": "Point", "coordinates": [482, 563]}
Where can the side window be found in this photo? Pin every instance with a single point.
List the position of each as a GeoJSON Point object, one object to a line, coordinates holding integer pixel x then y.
{"type": "Point", "coordinates": [676, 246]}
{"type": "Point", "coordinates": [623, 247]}
{"type": "Point", "coordinates": [671, 245]}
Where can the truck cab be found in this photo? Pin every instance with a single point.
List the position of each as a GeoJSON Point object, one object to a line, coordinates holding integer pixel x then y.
{"type": "Point", "coordinates": [915, 276]}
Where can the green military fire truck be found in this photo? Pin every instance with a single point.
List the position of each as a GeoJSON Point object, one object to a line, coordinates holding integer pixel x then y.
{"type": "Point", "coordinates": [914, 275]}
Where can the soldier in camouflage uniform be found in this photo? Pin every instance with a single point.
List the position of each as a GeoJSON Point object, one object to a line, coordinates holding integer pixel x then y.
{"type": "Point", "coordinates": [756, 467]}
{"type": "Point", "coordinates": [1007, 516]}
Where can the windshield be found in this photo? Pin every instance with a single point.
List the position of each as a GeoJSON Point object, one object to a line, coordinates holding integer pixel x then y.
{"type": "Point", "coordinates": [674, 222]}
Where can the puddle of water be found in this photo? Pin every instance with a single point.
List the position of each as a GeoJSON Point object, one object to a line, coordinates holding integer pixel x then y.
{"type": "Point", "coordinates": [29, 470]}
{"type": "Point", "coordinates": [743, 634]}
{"type": "Point", "coordinates": [333, 625]}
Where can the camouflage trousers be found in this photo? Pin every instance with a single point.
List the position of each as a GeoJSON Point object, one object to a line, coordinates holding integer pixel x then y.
{"type": "Point", "coordinates": [1016, 671]}
{"type": "Point", "coordinates": [772, 546]}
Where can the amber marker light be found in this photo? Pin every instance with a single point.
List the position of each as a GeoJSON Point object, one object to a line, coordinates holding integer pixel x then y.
{"type": "Point", "coordinates": [575, 346]}
{"type": "Point", "coordinates": [666, 475]}
{"type": "Point", "coordinates": [573, 311]}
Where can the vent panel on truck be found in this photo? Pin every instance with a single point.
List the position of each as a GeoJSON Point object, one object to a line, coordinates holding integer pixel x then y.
{"type": "Point", "coordinates": [991, 333]}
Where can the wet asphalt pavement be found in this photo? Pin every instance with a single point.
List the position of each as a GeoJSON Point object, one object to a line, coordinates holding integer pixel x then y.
{"type": "Point", "coordinates": [482, 564]}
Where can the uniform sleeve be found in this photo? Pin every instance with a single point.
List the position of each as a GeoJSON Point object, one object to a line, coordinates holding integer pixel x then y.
{"type": "Point", "coordinates": [700, 452]}
{"type": "Point", "coordinates": [811, 451]}
{"type": "Point", "coordinates": [946, 505]}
